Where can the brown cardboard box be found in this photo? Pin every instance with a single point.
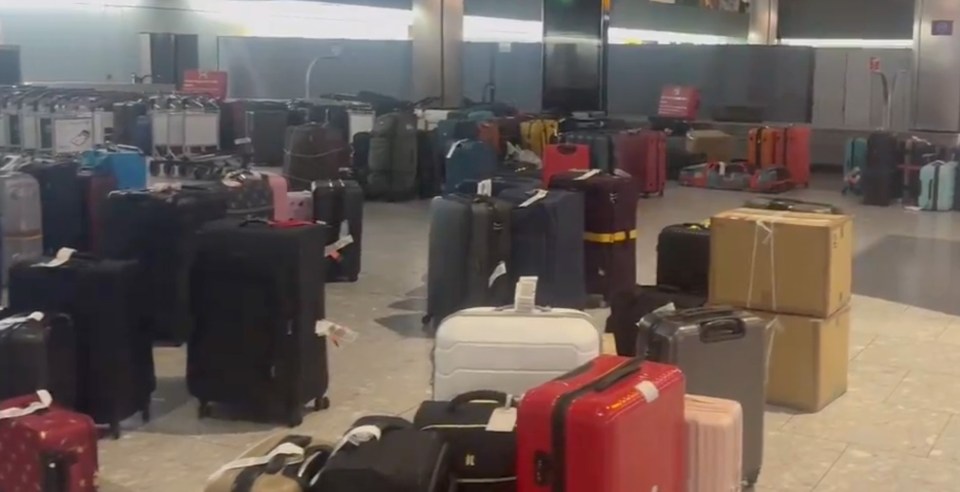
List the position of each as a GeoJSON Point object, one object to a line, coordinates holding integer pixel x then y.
{"type": "Point", "coordinates": [715, 144]}
{"type": "Point", "coordinates": [783, 262]}
{"type": "Point", "coordinates": [809, 358]}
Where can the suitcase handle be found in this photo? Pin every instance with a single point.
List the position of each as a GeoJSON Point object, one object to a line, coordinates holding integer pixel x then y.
{"type": "Point", "coordinates": [722, 330]}
{"type": "Point", "coordinates": [626, 370]}
{"type": "Point", "coordinates": [567, 149]}
{"type": "Point", "coordinates": [480, 395]}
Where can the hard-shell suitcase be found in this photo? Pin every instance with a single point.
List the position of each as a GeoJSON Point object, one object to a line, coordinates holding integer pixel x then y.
{"type": "Point", "coordinates": [762, 145]}
{"type": "Point", "coordinates": [496, 185]}
{"type": "Point", "coordinates": [854, 161]}
{"type": "Point", "coordinates": [537, 133]}
{"type": "Point", "coordinates": [429, 169]}
{"type": "Point", "coordinates": [38, 351]}
{"type": "Point", "coordinates": [469, 247]}
{"type": "Point", "coordinates": [257, 293]}
{"type": "Point", "coordinates": [564, 157]}
{"type": "Point", "coordinates": [937, 186]}
{"type": "Point", "coordinates": [279, 186]}
{"type": "Point", "coordinates": [628, 307]}
{"type": "Point", "coordinates": [45, 447]}
{"type": "Point", "coordinates": [714, 444]}
{"type": "Point", "coordinates": [571, 430]}
{"type": "Point", "coordinates": [281, 463]}
{"type": "Point", "coordinates": [602, 155]}
{"type": "Point", "coordinates": [59, 195]}
{"type": "Point", "coordinates": [127, 164]}
{"type": "Point", "coordinates": [22, 225]}
{"type": "Point", "coordinates": [792, 151]}
{"type": "Point", "coordinates": [610, 228]}
{"type": "Point", "coordinates": [683, 257]}
{"type": "Point", "coordinates": [94, 191]}
{"type": "Point", "coordinates": [393, 157]}
{"type": "Point", "coordinates": [643, 154]}
{"type": "Point", "coordinates": [699, 341]}
{"type": "Point", "coordinates": [546, 229]}
{"type": "Point", "coordinates": [488, 348]}
{"type": "Point", "coordinates": [314, 151]}
{"type": "Point", "coordinates": [468, 160]}
{"type": "Point", "coordinates": [451, 130]}
{"type": "Point", "coordinates": [301, 205]}
{"type": "Point", "coordinates": [115, 374]}
{"type": "Point", "coordinates": [878, 179]}
{"type": "Point", "coordinates": [339, 205]}
{"type": "Point", "coordinates": [261, 130]}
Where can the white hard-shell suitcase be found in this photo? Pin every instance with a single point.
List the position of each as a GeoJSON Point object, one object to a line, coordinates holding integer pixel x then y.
{"type": "Point", "coordinates": [715, 444]}
{"type": "Point", "coordinates": [510, 349]}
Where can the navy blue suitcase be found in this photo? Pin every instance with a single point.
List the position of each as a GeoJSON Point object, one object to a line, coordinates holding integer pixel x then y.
{"type": "Point", "coordinates": [469, 160]}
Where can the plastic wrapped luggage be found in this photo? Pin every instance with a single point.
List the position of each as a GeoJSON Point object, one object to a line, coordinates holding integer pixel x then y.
{"type": "Point", "coordinates": [20, 207]}
{"type": "Point", "coordinates": [570, 430]}
{"type": "Point", "coordinates": [937, 186]}
{"type": "Point", "coordinates": [715, 444]}
{"type": "Point", "coordinates": [537, 133]}
{"type": "Point", "coordinates": [301, 205]}
{"type": "Point", "coordinates": [699, 341]}
{"type": "Point", "coordinates": [257, 293]}
{"type": "Point", "coordinates": [878, 179]}
{"type": "Point", "coordinates": [486, 348]}
{"type": "Point", "coordinates": [314, 151]}
{"type": "Point", "coordinates": [47, 448]}
{"type": "Point", "coordinates": [115, 374]}
{"type": "Point", "coordinates": [283, 463]}
{"type": "Point", "coordinates": [339, 205]}
{"type": "Point", "coordinates": [127, 164]}
{"type": "Point", "coordinates": [468, 160]}
{"type": "Point", "coordinates": [791, 205]}
{"type": "Point", "coordinates": [628, 307]}
{"type": "Point", "coordinates": [94, 190]}
{"type": "Point", "coordinates": [683, 257]}
{"type": "Point", "coordinates": [278, 187]}
{"type": "Point", "coordinates": [643, 154]}
{"type": "Point", "coordinates": [393, 157]}
{"type": "Point", "coordinates": [602, 155]}
{"type": "Point", "coordinates": [59, 195]}
{"type": "Point", "coordinates": [38, 351]}
{"type": "Point", "coordinates": [564, 157]}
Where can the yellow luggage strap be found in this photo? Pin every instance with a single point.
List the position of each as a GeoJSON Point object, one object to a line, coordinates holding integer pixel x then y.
{"type": "Point", "coordinates": [609, 237]}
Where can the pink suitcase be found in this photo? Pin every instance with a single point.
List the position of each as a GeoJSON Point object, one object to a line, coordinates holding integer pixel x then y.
{"type": "Point", "coordinates": [715, 444]}
{"type": "Point", "coordinates": [301, 205]}
{"type": "Point", "coordinates": [281, 207]}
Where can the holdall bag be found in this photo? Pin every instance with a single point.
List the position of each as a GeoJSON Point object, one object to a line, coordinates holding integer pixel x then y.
{"type": "Point", "coordinates": [38, 351]}
{"type": "Point", "coordinates": [715, 444]}
{"type": "Point", "coordinates": [339, 205]}
{"type": "Point", "coordinates": [564, 157]}
{"type": "Point", "coordinates": [483, 456]}
{"type": "Point", "coordinates": [468, 160]}
{"type": "Point", "coordinates": [283, 463]}
{"type": "Point", "coordinates": [643, 155]}
{"type": "Point", "coordinates": [537, 133]}
{"type": "Point", "coordinates": [628, 307]}
{"type": "Point", "coordinates": [937, 181]}
{"type": "Point", "coordinates": [60, 193]}
{"type": "Point", "coordinates": [94, 188]}
{"type": "Point", "coordinates": [21, 221]}
{"type": "Point", "coordinates": [613, 424]}
{"type": "Point", "coordinates": [683, 257]}
{"type": "Point", "coordinates": [314, 151]}
{"type": "Point", "coordinates": [45, 447]}
{"type": "Point", "coordinates": [393, 157]}
{"type": "Point", "coordinates": [487, 348]}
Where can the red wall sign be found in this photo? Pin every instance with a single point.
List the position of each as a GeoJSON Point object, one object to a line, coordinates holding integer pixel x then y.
{"type": "Point", "coordinates": [679, 102]}
{"type": "Point", "coordinates": [209, 82]}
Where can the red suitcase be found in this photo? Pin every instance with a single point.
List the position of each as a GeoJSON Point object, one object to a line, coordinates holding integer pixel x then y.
{"type": "Point", "coordinates": [643, 154]}
{"type": "Point", "coordinates": [46, 448]}
{"type": "Point", "coordinates": [558, 158]}
{"type": "Point", "coordinates": [615, 424]}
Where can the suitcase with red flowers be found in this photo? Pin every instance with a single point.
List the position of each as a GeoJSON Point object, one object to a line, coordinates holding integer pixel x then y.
{"type": "Point", "coordinates": [45, 448]}
{"type": "Point", "coordinates": [615, 424]}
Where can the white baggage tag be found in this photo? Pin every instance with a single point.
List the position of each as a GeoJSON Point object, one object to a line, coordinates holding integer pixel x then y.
{"type": "Point", "coordinates": [338, 334]}
{"type": "Point", "coordinates": [242, 141]}
{"type": "Point", "coordinates": [502, 419]}
{"type": "Point", "coordinates": [723, 168]}
{"type": "Point", "coordinates": [485, 187]}
{"type": "Point", "coordinates": [524, 300]}
{"type": "Point", "coordinates": [63, 256]}
{"type": "Point", "coordinates": [649, 391]}
{"type": "Point", "coordinates": [587, 175]}
{"type": "Point", "coordinates": [44, 401]}
{"type": "Point", "coordinates": [453, 147]}
{"type": "Point", "coordinates": [666, 308]}
{"type": "Point", "coordinates": [537, 196]}
{"type": "Point", "coordinates": [499, 271]}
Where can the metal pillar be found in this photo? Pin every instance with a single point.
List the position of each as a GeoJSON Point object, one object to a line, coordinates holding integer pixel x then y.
{"type": "Point", "coordinates": [437, 34]}
{"type": "Point", "coordinates": [764, 15]}
{"type": "Point", "coordinates": [936, 61]}
{"type": "Point", "coordinates": [574, 55]}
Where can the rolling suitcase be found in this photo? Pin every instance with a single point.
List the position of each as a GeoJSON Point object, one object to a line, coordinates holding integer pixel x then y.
{"type": "Point", "coordinates": [610, 229]}
{"type": "Point", "coordinates": [564, 157]}
{"type": "Point", "coordinates": [469, 247]}
{"type": "Point", "coordinates": [468, 160]}
{"type": "Point", "coordinates": [450, 131]}
{"type": "Point", "coordinates": [127, 164]}
{"type": "Point", "coordinates": [257, 293]}
{"type": "Point", "coordinates": [488, 132]}
{"type": "Point", "coordinates": [683, 257]}
{"type": "Point", "coordinates": [249, 195]}
{"type": "Point", "coordinates": [429, 176]}
{"type": "Point", "coordinates": [854, 161]}
{"type": "Point", "coordinates": [643, 155]}
{"type": "Point", "coordinates": [278, 187]}
{"type": "Point", "coordinates": [714, 444]}
{"type": "Point", "coordinates": [537, 133]}
{"type": "Point", "coordinates": [361, 157]}
{"type": "Point", "coordinates": [699, 341]}
{"type": "Point", "coordinates": [937, 182]}
{"type": "Point", "coordinates": [393, 157]}
{"type": "Point", "coordinates": [283, 463]}
{"type": "Point", "coordinates": [878, 179]}
{"type": "Point", "coordinates": [570, 431]}
{"type": "Point", "coordinates": [115, 375]}
{"type": "Point", "coordinates": [488, 348]}
{"type": "Point", "coordinates": [260, 130]}
{"type": "Point", "coordinates": [46, 448]}
{"type": "Point", "coordinates": [546, 230]}
{"type": "Point", "coordinates": [59, 195]}
{"type": "Point", "coordinates": [38, 351]}
{"type": "Point", "coordinates": [339, 205]}
{"type": "Point", "coordinates": [628, 307]}
{"type": "Point", "coordinates": [21, 221]}
{"type": "Point", "coordinates": [714, 145]}
{"type": "Point", "coordinates": [602, 154]}
{"type": "Point", "coordinates": [496, 185]}
{"type": "Point", "coordinates": [301, 205]}
{"type": "Point", "coordinates": [94, 191]}
{"type": "Point", "coordinates": [314, 151]}
{"type": "Point", "coordinates": [762, 145]}
{"type": "Point", "coordinates": [792, 151]}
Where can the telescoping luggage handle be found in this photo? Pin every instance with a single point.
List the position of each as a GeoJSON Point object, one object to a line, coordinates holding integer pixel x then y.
{"type": "Point", "coordinates": [44, 400]}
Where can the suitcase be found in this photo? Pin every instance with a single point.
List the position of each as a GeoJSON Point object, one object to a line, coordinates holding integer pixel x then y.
{"type": "Point", "coordinates": [300, 204]}
{"type": "Point", "coordinates": [94, 190]}
{"type": "Point", "coordinates": [278, 187]}
{"type": "Point", "coordinates": [488, 132]}
{"type": "Point", "coordinates": [628, 307]}
{"type": "Point", "coordinates": [878, 179]}
{"type": "Point", "coordinates": [570, 431]}
{"type": "Point", "coordinates": [537, 133]}
{"type": "Point", "coordinates": [468, 160]}
{"type": "Point", "coordinates": [510, 133]}
{"type": "Point", "coordinates": [393, 157]}
{"type": "Point", "coordinates": [602, 154]}
{"type": "Point", "coordinates": [610, 229]}
{"type": "Point", "coordinates": [792, 151]}
{"type": "Point", "coordinates": [115, 375]}
{"type": "Point", "coordinates": [38, 351]}
{"type": "Point", "coordinates": [282, 463]}
{"type": "Point", "coordinates": [450, 131]}
{"type": "Point", "coordinates": [257, 292]}
{"type": "Point", "coordinates": [339, 205]}
{"type": "Point", "coordinates": [854, 161]}
{"type": "Point", "coordinates": [714, 444]}
{"type": "Point", "coordinates": [313, 151]}
{"type": "Point", "coordinates": [588, 122]}
{"type": "Point", "coordinates": [429, 170]}
{"type": "Point", "coordinates": [21, 222]}
{"type": "Point", "coordinates": [334, 116]}
{"type": "Point", "coordinates": [361, 157]}
{"type": "Point", "coordinates": [643, 154]}
{"type": "Point", "coordinates": [791, 205]}
{"type": "Point", "coordinates": [937, 186]}
{"type": "Point", "coordinates": [547, 242]}
{"type": "Point", "coordinates": [469, 247]}
{"type": "Point", "coordinates": [59, 195]}
{"type": "Point", "coordinates": [127, 164]}
{"type": "Point", "coordinates": [47, 448]}
{"type": "Point", "coordinates": [699, 341]}
{"type": "Point", "coordinates": [487, 348]}
{"type": "Point", "coordinates": [683, 257]}
{"type": "Point", "coordinates": [261, 129]}
{"type": "Point", "coordinates": [564, 157]}
{"type": "Point", "coordinates": [249, 195]}
{"type": "Point", "coordinates": [496, 185]}
{"type": "Point", "coordinates": [762, 144]}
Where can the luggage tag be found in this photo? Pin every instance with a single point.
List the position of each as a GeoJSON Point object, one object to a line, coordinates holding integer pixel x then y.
{"type": "Point", "coordinates": [498, 271]}
{"type": "Point", "coordinates": [346, 239]}
{"type": "Point", "coordinates": [44, 400]}
{"type": "Point", "coordinates": [524, 300]}
{"type": "Point", "coordinates": [587, 175]}
{"type": "Point", "coordinates": [453, 147]}
{"type": "Point", "coordinates": [338, 334]}
{"type": "Point", "coordinates": [502, 419]}
{"type": "Point", "coordinates": [537, 196]}
{"type": "Point", "coordinates": [485, 187]}
{"type": "Point", "coordinates": [63, 256]}
{"type": "Point", "coordinates": [621, 173]}
{"type": "Point", "coordinates": [242, 141]}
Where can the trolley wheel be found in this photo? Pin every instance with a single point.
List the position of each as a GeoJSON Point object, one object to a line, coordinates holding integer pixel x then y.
{"type": "Point", "coordinates": [321, 403]}
{"type": "Point", "coordinates": [154, 168]}
{"type": "Point", "coordinates": [751, 479]}
{"type": "Point", "coordinates": [169, 169]}
{"type": "Point", "coordinates": [203, 411]}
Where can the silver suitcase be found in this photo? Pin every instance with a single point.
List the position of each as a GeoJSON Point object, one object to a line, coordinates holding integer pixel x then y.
{"type": "Point", "coordinates": [22, 237]}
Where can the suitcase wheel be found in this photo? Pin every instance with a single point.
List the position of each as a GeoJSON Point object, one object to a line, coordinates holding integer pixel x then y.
{"type": "Point", "coordinates": [169, 169]}
{"type": "Point", "coordinates": [426, 319]}
{"type": "Point", "coordinates": [321, 403]}
{"type": "Point", "coordinates": [751, 479]}
{"type": "Point", "coordinates": [203, 411]}
{"type": "Point", "coordinates": [295, 417]}
{"type": "Point", "coordinates": [115, 430]}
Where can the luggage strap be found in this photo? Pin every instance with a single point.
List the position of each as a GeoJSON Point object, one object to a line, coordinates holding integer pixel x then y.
{"type": "Point", "coordinates": [43, 402]}
{"type": "Point", "coordinates": [609, 237]}
{"type": "Point", "coordinates": [285, 449]}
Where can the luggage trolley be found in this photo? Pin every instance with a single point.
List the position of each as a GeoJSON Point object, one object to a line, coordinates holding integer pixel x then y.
{"type": "Point", "coordinates": [185, 131]}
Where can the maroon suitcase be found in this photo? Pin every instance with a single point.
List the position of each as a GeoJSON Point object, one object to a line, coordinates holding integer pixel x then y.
{"type": "Point", "coordinates": [94, 190]}
{"type": "Point", "coordinates": [610, 223]}
{"type": "Point", "coordinates": [643, 154]}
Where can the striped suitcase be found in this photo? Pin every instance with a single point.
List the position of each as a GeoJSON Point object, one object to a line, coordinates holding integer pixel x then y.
{"type": "Point", "coordinates": [714, 444]}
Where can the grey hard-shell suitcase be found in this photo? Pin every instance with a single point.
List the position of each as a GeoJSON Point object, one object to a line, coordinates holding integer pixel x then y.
{"type": "Point", "coordinates": [22, 222]}
{"type": "Point", "coordinates": [393, 157]}
{"type": "Point", "coordinates": [722, 351]}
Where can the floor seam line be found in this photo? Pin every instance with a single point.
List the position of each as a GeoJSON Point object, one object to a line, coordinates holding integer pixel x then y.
{"type": "Point", "coordinates": [846, 447]}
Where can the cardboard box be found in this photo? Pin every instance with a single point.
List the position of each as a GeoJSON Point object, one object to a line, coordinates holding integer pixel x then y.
{"type": "Point", "coordinates": [783, 262]}
{"type": "Point", "coordinates": [715, 144]}
{"type": "Point", "coordinates": [809, 358]}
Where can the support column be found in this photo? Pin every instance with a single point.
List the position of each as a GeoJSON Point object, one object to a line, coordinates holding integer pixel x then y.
{"type": "Point", "coordinates": [575, 55]}
{"type": "Point", "coordinates": [764, 15]}
{"type": "Point", "coordinates": [936, 87]}
{"type": "Point", "coordinates": [437, 35]}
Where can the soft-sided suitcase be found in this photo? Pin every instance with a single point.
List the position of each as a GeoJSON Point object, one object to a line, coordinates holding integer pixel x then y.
{"type": "Point", "coordinates": [643, 154]}
{"type": "Point", "coordinates": [59, 195]}
{"type": "Point", "coordinates": [937, 182]}
{"type": "Point", "coordinates": [878, 180]}
{"type": "Point", "coordinates": [571, 431]}
{"type": "Point", "coordinates": [628, 307]}
{"type": "Point", "coordinates": [339, 205]}
{"type": "Point", "coordinates": [468, 160]}
{"type": "Point", "coordinates": [547, 242]}
{"type": "Point", "coordinates": [115, 375]}
{"type": "Point", "coordinates": [537, 133]}
{"type": "Point", "coordinates": [127, 164]}
{"type": "Point", "coordinates": [94, 191]}
{"type": "Point", "coordinates": [699, 341]}
{"type": "Point", "coordinates": [257, 293]}
{"type": "Point", "coordinates": [21, 220]}
{"type": "Point", "coordinates": [469, 247]}
{"type": "Point", "coordinates": [393, 157]}
{"type": "Point", "coordinates": [564, 157]}
{"type": "Point", "coordinates": [38, 351]}
{"type": "Point", "coordinates": [314, 151]}
{"type": "Point", "coordinates": [489, 348]}
{"type": "Point", "coordinates": [45, 447]}
{"type": "Point", "coordinates": [854, 161]}
{"type": "Point", "coordinates": [278, 186]}
{"type": "Point", "coordinates": [301, 205]}
{"type": "Point", "coordinates": [281, 463]}
{"type": "Point", "coordinates": [714, 444]}
{"type": "Point", "coordinates": [602, 154]}
{"type": "Point", "coordinates": [683, 257]}
{"type": "Point", "coordinates": [610, 228]}
{"type": "Point", "coordinates": [360, 162]}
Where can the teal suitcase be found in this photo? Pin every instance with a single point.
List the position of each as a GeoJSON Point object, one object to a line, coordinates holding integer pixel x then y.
{"type": "Point", "coordinates": [937, 185]}
{"type": "Point", "coordinates": [854, 161]}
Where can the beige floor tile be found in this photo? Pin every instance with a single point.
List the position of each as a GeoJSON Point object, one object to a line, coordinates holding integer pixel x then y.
{"type": "Point", "coordinates": [872, 305]}
{"type": "Point", "coordinates": [951, 334]}
{"type": "Point", "coordinates": [859, 470]}
{"type": "Point", "coordinates": [796, 463]}
{"type": "Point", "coordinates": [948, 446]}
{"type": "Point", "coordinates": [931, 391]}
{"type": "Point", "coordinates": [878, 425]}
{"type": "Point", "coordinates": [142, 459]}
{"type": "Point", "coordinates": [901, 325]}
{"type": "Point", "coordinates": [775, 417]}
{"type": "Point", "coordinates": [930, 356]}
{"type": "Point", "coordinates": [858, 341]}
{"type": "Point", "coordinates": [872, 382]}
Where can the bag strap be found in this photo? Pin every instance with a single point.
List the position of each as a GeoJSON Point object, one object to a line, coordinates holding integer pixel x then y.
{"type": "Point", "coordinates": [43, 402]}
{"type": "Point", "coordinates": [285, 449]}
{"type": "Point", "coordinates": [358, 435]}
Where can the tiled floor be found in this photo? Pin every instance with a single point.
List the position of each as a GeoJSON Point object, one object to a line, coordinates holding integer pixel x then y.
{"type": "Point", "coordinates": [897, 429]}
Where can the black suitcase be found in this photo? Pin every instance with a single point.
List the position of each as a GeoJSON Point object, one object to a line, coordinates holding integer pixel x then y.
{"type": "Point", "coordinates": [500, 184]}
{"type": "Point", "coordinates": [114, 354]}
{"type": "Point", "coordinates": [361, 157]}
{"type": "Point", "coordinates": [60, 195]}
{"type": "Point", "coordinates": [429, 168]}
{"type": "Point", "coordinates": [628, 307]}
{"type": "Point", "coordinates": [257, 293]}
{"type": "Point", "coordinates": [546, 236]}
{"type": "Point", "coordinates": [158, 229]}
{"type": "Point", "coordinates": [339, 204]}
{"type": "Point", "coordinates": [683, 257]}
{"type": "Point", "coordinates": [264, 134]}
{"type": "Point", "coordinates": [878, 178]}
{"type": "Point", "coordinates": [38, 351]}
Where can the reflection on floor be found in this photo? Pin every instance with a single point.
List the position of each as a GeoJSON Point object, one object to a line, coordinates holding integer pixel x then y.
{"type": "Point", "coordinates": [897, 429]}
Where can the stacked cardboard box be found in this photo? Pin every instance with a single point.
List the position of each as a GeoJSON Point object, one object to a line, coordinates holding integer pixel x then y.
{"type": "Point", "coordinates": [795, 269]}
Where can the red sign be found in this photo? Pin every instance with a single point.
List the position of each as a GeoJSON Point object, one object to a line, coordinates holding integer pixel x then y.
{"type": "Point", "coordinates": [681, 102]}
{"type": "Point", "coordinates": [209, 82]}
{"type": "Point", "coordinates": [874, 64]}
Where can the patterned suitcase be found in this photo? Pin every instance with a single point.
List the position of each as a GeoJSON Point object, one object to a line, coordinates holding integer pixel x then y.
{"type": "Point", "coordinates": [38, 351]}
{"type": "Point", "coordinates": [46, 448]}
{"type": "Point", "coordinates": [300, 204]}
{"type": "Point", "coordinates": [715, 444]}
{"type": "Point", "coordinates": [683, 257]}
{"type": "Point", "coordinates": [564, 157]}
{"type": "Point", "coordinates": [21, 219]}
{"type": "Point", "coordinates": [249, 195]}
{"type": "Point", "coordinates": [278, 187]}
{"type": "Point", "coordinates": [570, 431]}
